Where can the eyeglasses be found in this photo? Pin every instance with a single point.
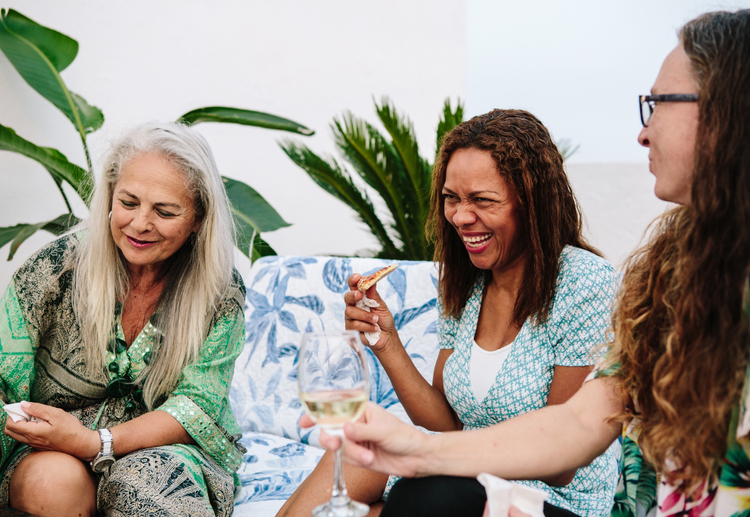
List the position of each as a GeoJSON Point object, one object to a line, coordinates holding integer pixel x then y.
{"type": "Point", "coordinates": [648, 103]}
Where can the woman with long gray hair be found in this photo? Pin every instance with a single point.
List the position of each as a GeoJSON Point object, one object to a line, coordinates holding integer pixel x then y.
{"type": "Point", "coordinates": [123, 336]}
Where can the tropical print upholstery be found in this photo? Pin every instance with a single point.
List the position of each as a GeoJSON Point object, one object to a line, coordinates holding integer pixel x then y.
{"type": "Point", "coordinates": [287, 296]}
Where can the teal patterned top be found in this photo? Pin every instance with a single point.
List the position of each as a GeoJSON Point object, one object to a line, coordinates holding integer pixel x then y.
{"type": "Point", "coordinates": [577, 325]}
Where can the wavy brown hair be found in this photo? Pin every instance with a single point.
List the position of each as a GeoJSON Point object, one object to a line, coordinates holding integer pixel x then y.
{"type": "Point", "coordinates": [681, 336]}
{"type": "Point", "coordinates": [528, 159]}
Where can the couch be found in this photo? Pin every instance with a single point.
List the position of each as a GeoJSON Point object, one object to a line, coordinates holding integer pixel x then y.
{"type": "Point", "coordinates": [287, 296]}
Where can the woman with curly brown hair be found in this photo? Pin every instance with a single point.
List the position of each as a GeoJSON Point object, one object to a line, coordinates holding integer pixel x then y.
{"type": "Point", "coordinates": [523, 302]}
{"type": "Point", "coordinates": [677, 375]}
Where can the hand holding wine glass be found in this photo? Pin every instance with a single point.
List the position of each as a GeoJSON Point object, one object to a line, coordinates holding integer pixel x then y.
{"type": "Point", "coordinates": [334, 388]}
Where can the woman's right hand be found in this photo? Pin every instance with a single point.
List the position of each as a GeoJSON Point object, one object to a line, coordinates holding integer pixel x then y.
{"type": "Point", "coordinates": [381, 442]}
{"type": "Point", "coordinates": [363, 321]}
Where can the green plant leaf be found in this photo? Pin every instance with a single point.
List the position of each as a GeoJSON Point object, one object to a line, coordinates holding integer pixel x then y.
{"type": "Point", "coordinates": [566, 148]}
{"type": "Point", "coordinates": [261, 249]}
{"type": "Point", "coordinates": [334, 180]}
{"type": "Point", "coordinates": [244, 117]}
{"type": "Point", "coordinates": [449, 120]}
{"type": "Point", "coordinates": [251, 208]}
{"type": "Point", "coordinates": [246, 235]}
{"type": "Point", "coordinates": [53, 160]}
{"type": "Point", "coordinates": [20, 232]}
{"type": "Point", "coordinates": [40, 54]}
{"type": "Point", "coordinates": [405, 142]}
{"type": "Point", "coordinates": [378, 163]}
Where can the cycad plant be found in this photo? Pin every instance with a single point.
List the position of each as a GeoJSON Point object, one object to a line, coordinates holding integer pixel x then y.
{"type": "Point", "coordinates": [40, 54]}
{"type": "Point", "coordinates": [391, 169]}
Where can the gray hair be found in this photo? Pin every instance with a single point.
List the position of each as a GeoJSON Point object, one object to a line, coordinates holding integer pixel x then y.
{"type": "Point", "coordinates": [197, 277]}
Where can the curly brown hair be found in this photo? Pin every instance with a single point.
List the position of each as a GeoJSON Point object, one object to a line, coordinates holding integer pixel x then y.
{"type": "Point", "coordinates": [681, 346]}
{"type": "Point", "coordinates": [528, 159]}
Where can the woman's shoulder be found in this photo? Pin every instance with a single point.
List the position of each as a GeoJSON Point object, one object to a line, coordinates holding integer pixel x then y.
{"type": "Point", "coordinates": [234, 297]}
{"type": "Point", "coordinates": [576, 262]}
{"type": "Point", "coordinates": [49, 261]}
{"type": "Point", "coordinates": [584, 275]}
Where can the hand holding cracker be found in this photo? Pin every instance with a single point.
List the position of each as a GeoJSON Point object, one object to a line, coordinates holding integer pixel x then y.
{"type": "Point", "coordinates": [365, 283]}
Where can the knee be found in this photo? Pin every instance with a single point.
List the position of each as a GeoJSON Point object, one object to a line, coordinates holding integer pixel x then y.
{"type": "Point", "coordinates": [53, 483]}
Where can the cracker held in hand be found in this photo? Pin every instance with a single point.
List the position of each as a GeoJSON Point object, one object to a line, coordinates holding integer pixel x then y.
{"type": "Point", "coordinates": [365, 303]}
{"type": "Point", "coordinates": [370, 280]}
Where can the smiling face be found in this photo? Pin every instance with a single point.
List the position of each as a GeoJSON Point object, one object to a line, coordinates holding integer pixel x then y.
{"type": "Point", "coordinates": [672, 130]}
{"type": "Point", "coordinates": [483, 208]}
{"type": "Point", "coordinates": [152, 211]}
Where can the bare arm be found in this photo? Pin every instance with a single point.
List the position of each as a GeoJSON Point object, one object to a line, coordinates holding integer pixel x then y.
{"type": "Point", "coordinates": [150, 430]}
{"type": "Point", "coordinates": [566, 381]}
{"type": "Point", "coordinates": [535, 445]}
{"type": "Point", "coordinates": [424, 403]}
{"type": "Point", "coordinates": [61, 431]}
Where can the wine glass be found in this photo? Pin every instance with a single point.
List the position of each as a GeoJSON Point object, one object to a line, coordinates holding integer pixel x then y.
{"type": "Point", "coordinates": [334, 388]}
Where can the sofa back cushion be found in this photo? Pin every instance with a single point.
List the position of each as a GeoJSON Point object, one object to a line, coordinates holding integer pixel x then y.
{"type": "Point", "coordinates": [287, 296]}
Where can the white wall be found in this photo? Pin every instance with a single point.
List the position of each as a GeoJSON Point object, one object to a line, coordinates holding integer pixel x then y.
{"type": "Point", "coordinates": [578, 65]}
{"type": "Point", "coordinates": [618, 203]}
{"type": "Point", "coordinates": [306, 61]}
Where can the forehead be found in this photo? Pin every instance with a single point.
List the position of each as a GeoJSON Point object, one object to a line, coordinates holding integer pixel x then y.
{"type": "Point", "coordinates": [676, 74]}
{"type": "Point", "coordinates": [471, 170]}
{"type": "Point", "coordinates": [151, 174]}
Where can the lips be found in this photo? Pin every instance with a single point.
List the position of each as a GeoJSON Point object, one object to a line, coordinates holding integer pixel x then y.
{"type": "Point", "coordinates": [139, 243]}
{"type": "Point", "coordinates": [476, 243]}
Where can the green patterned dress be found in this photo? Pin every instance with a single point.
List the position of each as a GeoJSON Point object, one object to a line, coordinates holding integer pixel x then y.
{"type": "Point", "coordinates": [42, 360]}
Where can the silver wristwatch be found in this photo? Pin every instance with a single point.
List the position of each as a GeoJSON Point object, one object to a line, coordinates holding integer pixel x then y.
{"type": "Point", "coordinates": [106, 457]}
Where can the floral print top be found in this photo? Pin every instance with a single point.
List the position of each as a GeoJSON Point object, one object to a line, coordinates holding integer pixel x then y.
{"type": "Point", "coordinates": [641, 492]}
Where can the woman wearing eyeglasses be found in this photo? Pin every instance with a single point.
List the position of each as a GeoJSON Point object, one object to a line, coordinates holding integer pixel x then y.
{"type": "Point", "coordinates": [675, 382]}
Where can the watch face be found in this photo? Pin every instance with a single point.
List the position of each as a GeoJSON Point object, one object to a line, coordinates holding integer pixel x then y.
{"type": "Point", "coordinates": [102, 464]}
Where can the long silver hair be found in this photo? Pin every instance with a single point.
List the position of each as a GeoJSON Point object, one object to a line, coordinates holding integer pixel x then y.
{"type": "Point", "coordinates": [197, 277]}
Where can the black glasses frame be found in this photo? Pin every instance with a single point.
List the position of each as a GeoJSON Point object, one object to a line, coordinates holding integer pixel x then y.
{"type": "Point", "coordinates": [651, 100]}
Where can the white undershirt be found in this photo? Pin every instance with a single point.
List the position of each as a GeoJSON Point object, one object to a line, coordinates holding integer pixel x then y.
{"type": "Point", "coordinates": [484, 367]}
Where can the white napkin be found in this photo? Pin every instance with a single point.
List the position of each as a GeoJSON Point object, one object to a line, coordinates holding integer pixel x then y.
{"type": "Point", "coordinates": [365, 303]}
{"type": "Point", "coordinates": [16, 413]}
{"type": "Point", "coordinates": [502, 494]}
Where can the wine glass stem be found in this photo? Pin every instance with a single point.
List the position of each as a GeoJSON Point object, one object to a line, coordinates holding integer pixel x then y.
{"type": "Point", "coordinates": [339, 496]}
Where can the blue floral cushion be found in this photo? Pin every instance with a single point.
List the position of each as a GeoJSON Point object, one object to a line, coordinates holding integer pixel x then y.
{"type": "Point", "coordinates": [287, 296]}
{"type": "Point", "coordinates": [272, 469]}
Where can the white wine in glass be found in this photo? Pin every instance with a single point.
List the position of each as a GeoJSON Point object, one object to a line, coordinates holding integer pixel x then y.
{"type": "Point", "coordinates": [334, 388]}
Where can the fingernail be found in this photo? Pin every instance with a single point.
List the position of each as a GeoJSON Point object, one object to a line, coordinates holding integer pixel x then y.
{"type": "Point", "coordinates": [25, 404]}
{"type": "Point", "coordinates": [374, 318]}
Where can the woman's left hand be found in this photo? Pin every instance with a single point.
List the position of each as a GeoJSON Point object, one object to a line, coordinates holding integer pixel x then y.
{"type": "Point", "coordinates": [58, 431]}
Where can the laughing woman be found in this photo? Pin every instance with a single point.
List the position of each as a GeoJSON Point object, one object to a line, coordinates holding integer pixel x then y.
{"type": "Point", "coordinates": [677, 381]}
{"type": "Point", "coordinates": [524, 301]}
{"type": "Point", "coordinates": [123, 336]}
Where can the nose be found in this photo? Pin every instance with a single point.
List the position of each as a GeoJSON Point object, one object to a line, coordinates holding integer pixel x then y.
{"type": "Point", "coordinates": [141, 222]}
{"type": "Point", "coordinates": [464, 215]}
{"type": "Point", "coordinates": [643, 138]}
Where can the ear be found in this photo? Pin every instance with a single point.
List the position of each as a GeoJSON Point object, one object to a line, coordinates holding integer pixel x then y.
{"type": "Point", "coordinates": [197, 226]}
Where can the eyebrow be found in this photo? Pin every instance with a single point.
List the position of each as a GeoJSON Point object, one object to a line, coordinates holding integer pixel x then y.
{"type": "Point", "coordinates": [475, 193]}
{"type": "Point", "coordinates": [172, 205]}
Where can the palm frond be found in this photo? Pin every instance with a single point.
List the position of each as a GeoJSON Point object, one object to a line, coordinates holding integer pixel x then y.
{"type": "Point", "coordinates": [375, 161]}
{"type": "Point", "coordinates": [337, 182]}
{"type": "Point", "coordinates": [405, 141]}
{"type": "Point", "coordinates": [449, 120]}
{"type": "Point", "coordinates": [566, 148]}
